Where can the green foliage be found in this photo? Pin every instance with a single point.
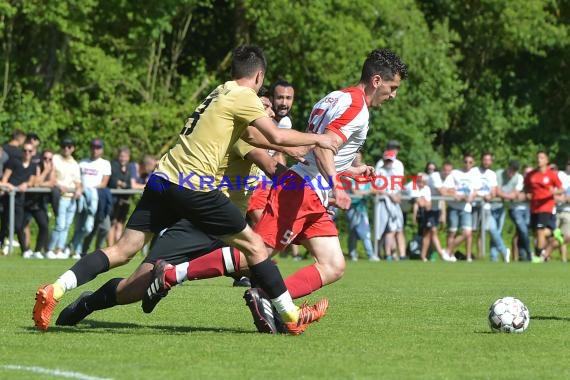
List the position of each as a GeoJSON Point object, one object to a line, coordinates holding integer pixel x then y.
{"type": "Point", "coordinates": [484, 74]}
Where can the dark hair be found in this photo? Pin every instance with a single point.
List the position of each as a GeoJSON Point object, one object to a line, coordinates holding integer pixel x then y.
{"type": "Point", "coordinates": [385, 63]}
{"type": "Point", "coordinates": [17, 133]}
{"type": "Point", "coordinates": [428, 165]}
{"type": "Point", "coordinates": [467, 154]}
{"type": "Point", "coordinates": [263, 92]}
{"type": "Point", "coordinates": [279, 82]}
{"type": "Point", "coordinates": [486, 153]}
{"type": "Point", "coordinates": [247, 60]}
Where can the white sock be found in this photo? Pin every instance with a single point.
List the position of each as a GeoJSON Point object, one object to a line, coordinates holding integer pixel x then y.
{"type": "Point", "coordinates": [182, 272]}
{"type": "Point", "coordinates": [67, 281]}
{"type": "Point", "coordinates": [285, 306]}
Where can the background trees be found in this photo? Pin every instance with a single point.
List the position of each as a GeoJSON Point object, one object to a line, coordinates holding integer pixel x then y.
{"type": "Point", "coordinates": [484, 74]}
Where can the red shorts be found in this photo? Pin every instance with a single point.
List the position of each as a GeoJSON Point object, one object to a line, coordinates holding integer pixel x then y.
{"type": "Point", "coordinates": [294, 213]}
{"type": "Point", "coordinates": [258, 199]}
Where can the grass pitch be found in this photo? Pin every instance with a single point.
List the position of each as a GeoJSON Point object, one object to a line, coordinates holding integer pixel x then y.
{"type": "Point", "coordinates": [388, 320]}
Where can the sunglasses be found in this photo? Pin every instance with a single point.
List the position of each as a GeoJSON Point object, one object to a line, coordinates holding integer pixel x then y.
{"type": "Point", "coordinates": [28, 151]}
{"type": "Point", "coordinates": [47, 158]}
{"type": "Point", "coordinates": [468, 162]}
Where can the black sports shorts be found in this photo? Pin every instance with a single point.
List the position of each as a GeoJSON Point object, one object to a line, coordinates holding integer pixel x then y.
{"type": "Point", "coordinates": [163, 203]}
{"type": "Point", "coordinates": [543, 220]}
{"type": "Point", "coordinates": [180, 243]}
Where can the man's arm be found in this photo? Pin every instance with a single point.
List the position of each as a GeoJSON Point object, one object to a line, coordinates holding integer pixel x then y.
{"type": "Point", "coordinates": [254, 137]}
{"type": "Point", "coordinates": [290, 137]}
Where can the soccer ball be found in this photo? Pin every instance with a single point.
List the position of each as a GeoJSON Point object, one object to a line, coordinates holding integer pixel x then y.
{"type": "Point", "coordinates": [509, 315]}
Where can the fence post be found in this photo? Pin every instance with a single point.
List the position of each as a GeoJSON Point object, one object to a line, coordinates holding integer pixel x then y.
{"type": "Point", "coordinates": [11, 216]}
{"type": "Point", "coordinates": [376, 221]}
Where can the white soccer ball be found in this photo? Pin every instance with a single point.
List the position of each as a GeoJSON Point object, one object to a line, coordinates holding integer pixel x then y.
{"type": "Point", "coordinates": [509, 315]}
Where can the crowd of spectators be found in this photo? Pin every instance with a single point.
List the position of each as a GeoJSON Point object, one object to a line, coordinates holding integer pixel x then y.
{"type": "Point", "coordinates": [79, 195]}
{"type": "Point", "coordinates": [537, 201]}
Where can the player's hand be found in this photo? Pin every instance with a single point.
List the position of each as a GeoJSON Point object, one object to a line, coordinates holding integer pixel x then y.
{"type": "Point", "coordinates": [340, 199]}
{"type": "Point", "coordinates": [364, 171]}
{"type": "Point", "coordinates": [328, 141]}
{"type": "Point", "coordinates": [298, 152]}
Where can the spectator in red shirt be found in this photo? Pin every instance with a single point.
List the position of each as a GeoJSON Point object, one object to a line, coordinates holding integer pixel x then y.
{"type": "Point", "coordinates": [541, 185]}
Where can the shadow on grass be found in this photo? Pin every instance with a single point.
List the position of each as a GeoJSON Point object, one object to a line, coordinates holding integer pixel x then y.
{"type": "Point", "coordinates": [550, 318]}
{"type": "Point", "coordinates": [89, 325]}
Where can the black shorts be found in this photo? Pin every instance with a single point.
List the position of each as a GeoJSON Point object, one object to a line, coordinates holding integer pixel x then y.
{"type": "Point", "coordinates": [180, 243]}
{"type": "Point", "coordinates": [121, 209]}
{"type": "Point", "coordinates": [543, 220]}
{"type": "Point", "coordinates": [163, 203]}
{"type": "Point", "coordinates": [430, 219]}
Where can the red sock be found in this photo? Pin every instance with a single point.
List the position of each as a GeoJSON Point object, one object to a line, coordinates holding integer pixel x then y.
{"type": "Point", "coordinates": [304, 282]}
{"type": "Point", "coordinates": [214, 264]}
{"type": "Point", "coordinates": [217, 263]}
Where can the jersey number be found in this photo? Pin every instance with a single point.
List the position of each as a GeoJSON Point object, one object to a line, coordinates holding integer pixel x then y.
{"type": "Point", "coordinates": [193, 120]}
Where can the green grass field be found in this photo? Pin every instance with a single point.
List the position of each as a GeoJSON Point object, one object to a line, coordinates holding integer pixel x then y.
{"type": "Point", "coordinates": [397, 320]}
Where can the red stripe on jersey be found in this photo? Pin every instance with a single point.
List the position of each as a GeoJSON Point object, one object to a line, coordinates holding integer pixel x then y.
{"type": "Point", "coordinates": [356, 105]}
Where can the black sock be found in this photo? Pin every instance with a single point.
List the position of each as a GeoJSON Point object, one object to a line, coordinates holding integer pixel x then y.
{"type": "Point", "coordinates": [539, 251]}
{"type": "Point", "coordinates": [104, 297]}
{"type": "Point", "coordinates": [89, 266]}
{"type": "Point", "coordinates": [267, 276]}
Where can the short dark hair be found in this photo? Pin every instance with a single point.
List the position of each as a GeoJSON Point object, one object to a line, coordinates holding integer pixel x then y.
{"type": "Point", "coordinates": [486, 153]}
{"type": "Point", "coordinates": [279, 82]}
{"type": "Point", "coordinates": [247, 60]}
{"type": "Point", "coordinates": [17, 133]}
{"type": "Point", "coordinates": [263, 92]}
{"type": "Point", "coordinates": [385, 63]}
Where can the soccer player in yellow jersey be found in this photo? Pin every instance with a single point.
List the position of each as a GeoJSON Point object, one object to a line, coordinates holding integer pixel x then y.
{"type": "Point", "coordinates": [184, 186]}
{"type": "Point", "coordinates": [183, 241]}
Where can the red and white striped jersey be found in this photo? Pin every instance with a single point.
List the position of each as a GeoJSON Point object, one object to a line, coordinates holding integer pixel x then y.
{"type": "Point", "coordinates": [345, 113]}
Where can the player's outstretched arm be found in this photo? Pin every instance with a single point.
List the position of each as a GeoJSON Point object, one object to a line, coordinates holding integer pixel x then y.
{"type": "Point", "coordinates": [290, 137]}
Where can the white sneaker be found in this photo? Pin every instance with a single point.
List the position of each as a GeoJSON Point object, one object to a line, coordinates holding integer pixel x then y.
{"type": "Point", "coordinates": [76, 256]}
{"type": "Point", "coordinates": [67, 251]}
{"type": "Point", "coordinates": [51, 255]}
{"type": "Point", "coordinates": [28, 254]}
{"type": "Point", "coordinates": [507, 255]}
{"type": "Point", "coordinates": [38, 255]}
{"type": "Point", "coordinates": [62, 256]}
{"type": "Point", "coordinates": [5, 250]}
{"type": "Point", "coordinates": [374, 258]}
{"type": "Point", "coordinates": [469, 260]}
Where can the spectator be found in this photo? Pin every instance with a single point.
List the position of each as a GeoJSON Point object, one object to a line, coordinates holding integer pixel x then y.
{"type": "Point", "coordinates": [445, 171]}
{"type": "Point", "coordinates": [509, 187]}
{"type": "Point", "coordinates": [520, 244]}
{"type": "Point", "coordinates": [95, 174]}
{"type": "Point", "coordinates": [33, 199]}
{"type": "Point", "coordinates": [426, 213]}
{"type": "Point", "coordinates": [19, 174]}
{"type": "Point", "coordinates": [494, 211]}
{"type": "Point", "coordinates": [143, 171]}
{"type": "Point", "coordinates": [36, 204]}
{"type": "Point", "coordinates": [3, 159]}
{"type": "Point", "coordinates": [120, 179]}
{"type": "Point", "coordinates": [13, 147]}
{"type": "Point", "coordinates": [67, 177]}
{"type": "Point", "coordinates": [541, 186]}
{"type": "Point", "coordinates": [357, 215]}
{"type": "Point", "coordinates": [389, 213]}
{"type": "Point", "coordinates": [462, 185]}
{"type": "Point", "coordinates": [34, 139]}
{"type": "Point", "coordinates": [562, 215]}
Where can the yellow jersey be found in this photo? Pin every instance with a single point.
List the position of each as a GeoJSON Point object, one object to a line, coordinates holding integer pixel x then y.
{"type": "Point", "coordinates": [208, 136]}
{"type": "Point", "coordinates": [238, 176]}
